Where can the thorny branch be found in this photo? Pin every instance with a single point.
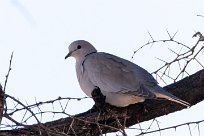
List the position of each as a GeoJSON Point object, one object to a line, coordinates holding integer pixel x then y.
{"type": "Point", "coordinates": [38, 104]}
{"type": "Point", "coordinates": [19, 107]}
{"type": "Point", "coordinates": [8, 72]}
{"type": "Point", "coordinates": [88, 123]}
{"type": "Point", "coordinates": [2, 92]}
{"type": "Point", "coordinates": [186, 57]}
{"type": "Point", "coordinates": [172, 127]}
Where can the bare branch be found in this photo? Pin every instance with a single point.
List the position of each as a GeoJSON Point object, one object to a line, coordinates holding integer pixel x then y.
{"type": "Point", "coordinates": [173, 127]}
{"type": "Point", "coordinates": [88, 123]}
{"type": "Point", "coordinates": [1, 103]}
{"type": "Point", "coordinates": [180, 58]}
{"type": "Point", "coordinates": [8, 72]}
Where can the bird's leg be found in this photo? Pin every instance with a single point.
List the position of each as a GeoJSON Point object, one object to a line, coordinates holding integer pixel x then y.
{"type": "Point", "coordinates": [98, 98]}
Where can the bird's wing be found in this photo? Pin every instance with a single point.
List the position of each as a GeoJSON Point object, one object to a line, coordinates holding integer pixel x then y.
{"type": "Point", "coordinates": [113, 74]}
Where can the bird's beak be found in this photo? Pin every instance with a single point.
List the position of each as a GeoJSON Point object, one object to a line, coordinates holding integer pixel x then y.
{"type": "Point", "coordinates": [68, 55]}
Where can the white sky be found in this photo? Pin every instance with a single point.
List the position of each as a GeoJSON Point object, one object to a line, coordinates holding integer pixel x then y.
{"type": "Point", "coordinates": [40, 31]}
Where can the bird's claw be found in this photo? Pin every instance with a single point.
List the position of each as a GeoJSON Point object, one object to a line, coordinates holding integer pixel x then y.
{"type": "Point", "coordinates": [98, 98]}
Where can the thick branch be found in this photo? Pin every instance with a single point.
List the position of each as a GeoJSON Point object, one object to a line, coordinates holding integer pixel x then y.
{"type": "Point", "coordinates": [190, 89]}
{"type": "Point", "coordinates": [1, 102]}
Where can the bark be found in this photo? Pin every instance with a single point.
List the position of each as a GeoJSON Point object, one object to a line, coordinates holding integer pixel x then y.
{"type": "Point", "coordinates": [1, 102]}
{"type": "Point", "coordinates": [92, 122]}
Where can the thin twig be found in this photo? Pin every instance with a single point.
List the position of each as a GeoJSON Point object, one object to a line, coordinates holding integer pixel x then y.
{"type": "Point", "coordinates": [185, 57]}
{"type": "Point", "coordinates": [172, 127]}
{"type": "Point", "coordinates": [10, 62]}
{"type": "Point", "coordinates": [23, 106]}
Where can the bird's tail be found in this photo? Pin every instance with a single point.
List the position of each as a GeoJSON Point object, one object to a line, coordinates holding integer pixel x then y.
{"type": "Point", "coordinates": [161, 93]}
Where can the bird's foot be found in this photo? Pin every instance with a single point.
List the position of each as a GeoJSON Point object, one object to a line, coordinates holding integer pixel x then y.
{"type": "Point", "coordinates": [99, 99]}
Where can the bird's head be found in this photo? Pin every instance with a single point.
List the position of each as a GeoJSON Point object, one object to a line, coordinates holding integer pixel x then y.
{"type": "Point", "coordinates": [79, 49]}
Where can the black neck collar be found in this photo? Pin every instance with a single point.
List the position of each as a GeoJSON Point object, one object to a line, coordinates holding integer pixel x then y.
{"type": "Point", "coordinates": [89, 54]}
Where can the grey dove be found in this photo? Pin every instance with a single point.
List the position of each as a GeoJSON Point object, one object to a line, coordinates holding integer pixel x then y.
{"type": "Point", "coordinates": [120, 81]}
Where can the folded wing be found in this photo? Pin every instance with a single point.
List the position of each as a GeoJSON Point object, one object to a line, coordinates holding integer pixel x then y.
{"type": "Point", "coordinates": [113, 74]}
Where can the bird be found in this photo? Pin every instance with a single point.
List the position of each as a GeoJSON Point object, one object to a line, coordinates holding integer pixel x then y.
{"type": "Point", "coordinates": [121, 81]}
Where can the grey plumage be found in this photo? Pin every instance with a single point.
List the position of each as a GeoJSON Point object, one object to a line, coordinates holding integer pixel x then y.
{"type": "Point", "coordinates": [121, 81]}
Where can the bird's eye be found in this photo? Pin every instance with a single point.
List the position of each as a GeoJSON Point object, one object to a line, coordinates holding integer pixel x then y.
{"type": "Point", "coordinates": [79, 47]}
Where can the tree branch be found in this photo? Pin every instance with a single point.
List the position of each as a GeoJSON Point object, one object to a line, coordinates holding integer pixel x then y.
{"type": "Point", "coordinates": [190, 89]}
{"type": "Point", "coordinates": [1, 102]}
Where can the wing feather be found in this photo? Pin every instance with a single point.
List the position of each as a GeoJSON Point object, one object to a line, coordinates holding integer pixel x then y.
{"type": "Point", "coordinates": [113, 74]}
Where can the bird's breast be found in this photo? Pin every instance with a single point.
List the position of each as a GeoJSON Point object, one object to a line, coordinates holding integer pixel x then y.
{"type": "Point", "coordinates": [85, 84]}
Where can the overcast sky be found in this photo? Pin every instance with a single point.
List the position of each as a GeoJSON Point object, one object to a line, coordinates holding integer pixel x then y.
{"type": "Point", "coordinates": [39, 32]}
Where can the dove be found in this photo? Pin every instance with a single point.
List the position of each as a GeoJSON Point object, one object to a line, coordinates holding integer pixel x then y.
{"type": "Point", "coordinates": [121, 82]}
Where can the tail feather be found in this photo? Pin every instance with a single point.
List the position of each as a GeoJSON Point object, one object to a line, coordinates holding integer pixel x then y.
{"type": "Point", "coordinates": [161, 93]}
{"type": "Point", "coordinates": [177, 100]}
